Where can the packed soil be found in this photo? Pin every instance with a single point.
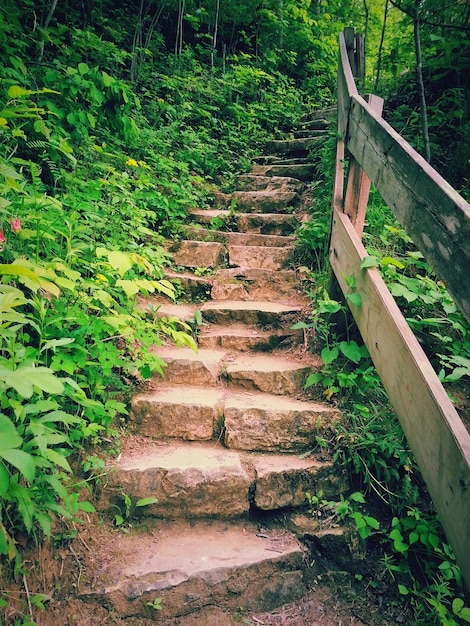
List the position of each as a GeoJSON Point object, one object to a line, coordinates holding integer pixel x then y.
{"type": "Point", "coordinates": [81, 552]}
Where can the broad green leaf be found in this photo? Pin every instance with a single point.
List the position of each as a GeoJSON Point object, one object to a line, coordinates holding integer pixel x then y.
{"type": "Point", "coordinates": [403, 590]}
{"type": "Point", "coordinates": [9, 173]}
{"type": "Point", "coordinates": [329, 355]}
{"type": "Point", "coordinates": [146, 501]}
{"type": "Point", "coordinates": [369, 261]}
{"type": "Point", "coordinates": [83, 68]}
{"type": "Point", "coordinates": [9, 437]}
{"type": "Point", "coordinates": [87, 507]}
{"type": "Point", "coordinates": [57, 458]}
{"type": "Point", "coordinates": [15, 91]}
{"type": "Point", "coordinates": [351, 350]}
{"type": "Point", "coordinates": [61, 417]}
{"type": "Point", "coordinates": [355, 298]}
{"type": "Point", "coordinates": [130, 287]}
{"type": "Point", "coordinates": [26, 377]}
{"type": "Point", "coordinates": [400, 291]}
{"type": "Point", "coordinates": [23, 462]}
{"type": "Point", "coordinates": [52, 344]}
{"type": "Point", "coordinates": [388, 260]}
{"type": "Point", "coordinates": [4, 481]}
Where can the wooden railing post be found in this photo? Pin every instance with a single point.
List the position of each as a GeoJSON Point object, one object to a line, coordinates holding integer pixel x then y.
{"type": "Point", "coordinates": [438, 220]}
{"type": "Point", "coordinates": [358, 184]}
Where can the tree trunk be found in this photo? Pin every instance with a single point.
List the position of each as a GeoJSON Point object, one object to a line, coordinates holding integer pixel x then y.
{"type": "Point", "coordinates": [381, 45]}
{"type": "Point", "coordinates": [419, 80]}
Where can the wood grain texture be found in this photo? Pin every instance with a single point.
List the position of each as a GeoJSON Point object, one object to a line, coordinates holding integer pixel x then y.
{"type": "Point", "coordinates": [435, 216]}
{"type": "Point", "coordinates": [433, 428]}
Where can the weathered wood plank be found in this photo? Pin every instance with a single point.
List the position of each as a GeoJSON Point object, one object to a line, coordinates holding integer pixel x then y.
{"type": "Point", "coordinates": [435, 216]}
{"type": "Point", "coordinates": [433, 428]}
{"type": "Point", "coordinates": [358, 185]}
{"type": "Point", "coordinates": [346, 87]}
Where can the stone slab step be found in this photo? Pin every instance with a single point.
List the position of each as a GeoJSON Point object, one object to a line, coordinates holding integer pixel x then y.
{"type": "Point", "coordinates": [259, 257]}
{"type": "Point", "coordinates": [193, 567]}
{"type": "Point", "coordinates": [265, 201]}
{"type": "Point", "coordinates": [260, 422]}
{"type": "Point", "coordinates": [187, 412]}
{"type": "Point", "coordinates": [235, 284]}
{"type": "Point", "coordinates": [206, 480]}
{"type": "Point", "coordinates": [190, 480]}
{"type": "Point", "coordinates": [172, 312]}
{"type": "Point", "coordinates": [252, 182]}
{"type": "Point", "coordinates": [186, 367]}
{"type": "Point", "coordinates": [243, 338]}
{"type": "Point", "coordinates": [205, 254]}
{"type": "Point", "coordinates": [304, 172]}
{"type": "Point", "coordinates": [265, 224]}
{"type": "Point", "coordinates": [273, 373]}
{"type": "Point", "coordinates": [294, 146]}
{"type": "Point", "coordinates": [237, 239]}
{"type": "Point", "coordinates": [311, 132]}
{"type": "Point", "coordinates": [254, 284]}
{"type": "Point", "coordinates": [256, 313]}
{"type": "Point", "coordinates": [277, 375]}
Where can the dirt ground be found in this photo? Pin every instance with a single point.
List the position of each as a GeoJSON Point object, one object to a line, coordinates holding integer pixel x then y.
{"type": "Point", "coordinates": [61, 572]}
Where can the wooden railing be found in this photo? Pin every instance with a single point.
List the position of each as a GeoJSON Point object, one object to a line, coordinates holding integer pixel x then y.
{"type": "Point", "coordinates": [437, 219]}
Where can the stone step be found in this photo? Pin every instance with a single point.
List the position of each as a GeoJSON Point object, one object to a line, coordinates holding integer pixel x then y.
{"type": "Point", "coordinates": [311, 132]}
{"type": "Point", "coordinates": [259, 422]}
{"type": "Point", "coordinates": [254, 284]}
{"type": "Point", "coordinates": [195, 480]}
{"type": "Point", "coordinates": [298, 146]}
{"type": "Point", "coordinates": [243, 338]}
{"type": "Point", "coordinates": [265, 201]}
{"type": "Point", "coordinates": [234, 284]}
{"type": "Point", "coordinates": [198, 233]}
{"type": "Point", "coordinates": [191, 413]}
{"type": "Point", "coordinates": [279, 375]}
{"type": "Point", "coordinates": [324, 114]}
{"type": "Point", "coordinates": [252, 182]}
{"type": "Point", "coordinates": [199, 569]}
{"type": "Point", "coordinates": [186, 367]}
{"type": "Point", "coordinates": [302, 171]}
{"type": "Point", "coordinates": [254, 313]}
{"type": "Point", "coordinates": [259, 257]}
{"type": "Point", "coordinates": [203, 254]}
{"type": "Point", "coordinates": [265, 224]}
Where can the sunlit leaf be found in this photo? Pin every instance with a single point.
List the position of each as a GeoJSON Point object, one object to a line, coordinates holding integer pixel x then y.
{"type": "Point", "coordinates": [23, 462]}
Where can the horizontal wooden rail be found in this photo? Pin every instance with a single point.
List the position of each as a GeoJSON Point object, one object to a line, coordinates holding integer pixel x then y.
{"type": "Point", "coordinates": [438, 220]}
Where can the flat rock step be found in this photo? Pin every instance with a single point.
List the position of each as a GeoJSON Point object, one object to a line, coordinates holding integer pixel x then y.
{"type": "Point", "coordinates": [276, 374]}
{"type": "Point", "coordinates": [302, 172]}
{"type": "Point", "coordinates": [253, 313]}
{"type": "Point", "coordinates": [191, 567]}
{"type": "Point", "coordinates": [265, 201]}
{"type": "Point", "coordinates": [242, 338]}
{"type": "Point", "coordinates": [252, 182]}
{"type": "Point", "coordinates": [294, 146]}
{"type": "Point", "coordinates": [265, 224]}
{"type": "Point", "coordinates": [205, 480]}
{"type": "Point", "coordinates": [247, 420]}
{"type": "Point", "coordinates": [259, 257]}
{"type": "Point", "coordinates": [236, 284]}
{"type": "Point", "coordinates": [237, 239]}
{"type": "Point", "coordinates": [196, 254]}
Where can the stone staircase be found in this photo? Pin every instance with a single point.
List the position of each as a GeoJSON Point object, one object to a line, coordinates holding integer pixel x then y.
{"type": "Point", "coordinates": [225, 444]}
